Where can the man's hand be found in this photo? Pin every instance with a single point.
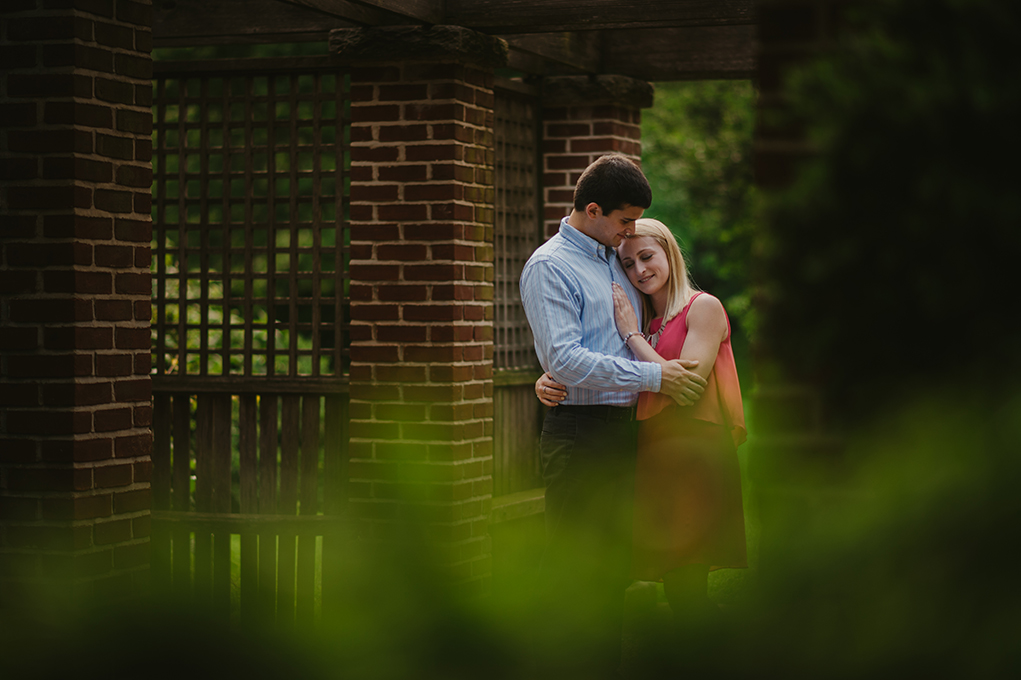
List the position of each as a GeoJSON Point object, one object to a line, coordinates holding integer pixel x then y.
{"type": "Point", "coordinates": [549, 391]}
{"type": "Point", "coordinates": [681, 384]}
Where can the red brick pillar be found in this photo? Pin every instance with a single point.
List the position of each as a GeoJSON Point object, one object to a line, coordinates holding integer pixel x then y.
{"type": "Point", "coordinates": [75, 406]}
{"type": "Point", "coordinates": [583, 119]}
{"type": "Point", "coordinates": [422, 219]}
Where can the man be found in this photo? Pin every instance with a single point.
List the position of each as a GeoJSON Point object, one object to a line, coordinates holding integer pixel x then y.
{"type": "Point", "coordinates": [588, 442]}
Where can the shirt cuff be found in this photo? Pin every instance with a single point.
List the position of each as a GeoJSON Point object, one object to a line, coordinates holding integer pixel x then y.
{"type": "Point", "coordinates": [652, 376]}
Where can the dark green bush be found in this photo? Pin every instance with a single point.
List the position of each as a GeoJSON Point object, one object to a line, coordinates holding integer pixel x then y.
{"type": "Point", "coordinates": [890, 263]}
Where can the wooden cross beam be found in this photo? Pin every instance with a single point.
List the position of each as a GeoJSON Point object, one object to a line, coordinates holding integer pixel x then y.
{"type": "Point", "coordinates": [653, 40]}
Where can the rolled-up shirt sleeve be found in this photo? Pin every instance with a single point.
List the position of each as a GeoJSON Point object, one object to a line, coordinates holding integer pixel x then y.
{"type": "Point", "coordinates": [554, 311]}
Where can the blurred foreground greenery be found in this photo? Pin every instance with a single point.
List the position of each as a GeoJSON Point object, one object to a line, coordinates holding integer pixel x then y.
{"type": "Point", "coordinates": [905, 570]}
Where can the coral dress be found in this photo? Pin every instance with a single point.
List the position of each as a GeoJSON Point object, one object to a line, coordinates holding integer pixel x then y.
{"type": "Point", "coordinates": [688, 506]}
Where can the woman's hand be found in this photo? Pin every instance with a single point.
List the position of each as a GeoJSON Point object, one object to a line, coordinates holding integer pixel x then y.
{"type": "Point", "coordinates": [623, 312]}
{"type": "Point", "coordinates": [549, 391]}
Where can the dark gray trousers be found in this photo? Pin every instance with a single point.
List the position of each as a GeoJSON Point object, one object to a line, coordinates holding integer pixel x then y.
{"type": "Point", "coordinates": [588, 465]}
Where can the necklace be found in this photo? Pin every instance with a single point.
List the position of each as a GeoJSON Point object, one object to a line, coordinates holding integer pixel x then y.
{"type": "Point", "coordinates": [654, 338]}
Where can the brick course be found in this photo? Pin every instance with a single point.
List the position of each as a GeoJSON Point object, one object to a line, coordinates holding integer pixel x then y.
{"type": "Point", "coordinates": [74, 407]}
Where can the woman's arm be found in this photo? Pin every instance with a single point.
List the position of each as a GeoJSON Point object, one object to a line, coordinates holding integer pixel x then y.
{"type": "Point", "coordinates": [707, 328]}
{"type": "Point", "coordinates": [682, 385]}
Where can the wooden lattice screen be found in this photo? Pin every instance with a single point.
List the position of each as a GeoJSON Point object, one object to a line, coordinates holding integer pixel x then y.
{"type": "Point", "coordinates": [517, 234]}
{"type": "Point", "coordinates": [517, 222]}
{"type": "Point", "coordinates": [249, 258]}
{"type": "Point", "coordinates": [249, 332]}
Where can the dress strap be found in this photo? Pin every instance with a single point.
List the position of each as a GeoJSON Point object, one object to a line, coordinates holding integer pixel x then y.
{"type": "Point", "coordinates": [688, 306]}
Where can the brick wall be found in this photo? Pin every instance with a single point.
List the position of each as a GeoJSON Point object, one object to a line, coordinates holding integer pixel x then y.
{"type": "Point", "coordinates": [75, 405]}
{"type": "Point", "coordinates": [583, 119]}
{"type": "Point", "coordinates": [421, 220]}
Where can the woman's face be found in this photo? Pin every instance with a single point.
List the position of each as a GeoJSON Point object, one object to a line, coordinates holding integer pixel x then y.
{"type": "Point", "coordinates": [645, 262]}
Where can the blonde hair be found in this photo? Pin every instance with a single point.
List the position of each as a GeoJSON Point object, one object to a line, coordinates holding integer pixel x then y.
{"type": "Point", "coordinates": [679, 287]}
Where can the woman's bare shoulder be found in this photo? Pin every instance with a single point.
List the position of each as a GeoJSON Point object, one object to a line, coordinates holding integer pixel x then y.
{"type": "Point", "coordinates": [706, 304]}
{"type": "Point", "coordinates": [707, 311]}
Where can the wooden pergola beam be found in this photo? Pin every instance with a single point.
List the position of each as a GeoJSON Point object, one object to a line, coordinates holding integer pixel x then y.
{"type": "Point", "coordinates": [205, 22]}
{"type": "Point", "coordinates": [362, 13]}
{"type": "Point", "coordinates": [699, 53]}
{"type": "Point", "coordinates": [554, 16]}
{"type": "Point", "coordinates": [420, 11]}
{"type": "Point", "coordinates": [512, 17]}
{"type": "Point", "coordinates": [716, 39]}
{"type": "Point", "coordinates": [555, 53]}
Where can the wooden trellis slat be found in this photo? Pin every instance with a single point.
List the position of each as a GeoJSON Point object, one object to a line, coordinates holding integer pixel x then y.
{"type": "Point", "coordinates": [290, 414]}
{"type": "Point", "coordinates": [267, 503]}
{"type": "Point", "coordinates": [292, 270]}
{"type": "Point", "coordinates": [221, 502]}
{"type": "Point", "coordinates": [204, 230]}
{"type": "Point", "coordinates": [308, 505]}
{"type": "Point", "coordinates": [203, 497]}
{"type": "Point", "coordinates": [181, 494]}
{"type": "Point", "coordinates": [248, 469]}
{"type": "Point", "coordinates": [271, 238]}
{"type": "Point", "coordinates": [335, 457]}
{"type": "Point", "coordinates": [249, 233]}
{"type": "Point", "coordinates": [161, 541]}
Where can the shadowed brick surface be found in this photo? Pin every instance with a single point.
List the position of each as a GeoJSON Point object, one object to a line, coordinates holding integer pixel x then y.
{"type": "Point", "coordinates": [74, 310]}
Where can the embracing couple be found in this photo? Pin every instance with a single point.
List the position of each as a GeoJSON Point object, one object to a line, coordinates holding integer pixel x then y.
{"type": "Point", "coordinates": [639, 446]}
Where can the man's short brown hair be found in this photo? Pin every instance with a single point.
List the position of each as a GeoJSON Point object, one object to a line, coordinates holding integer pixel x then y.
{"type": "Point", "coordinates": [612, 181]}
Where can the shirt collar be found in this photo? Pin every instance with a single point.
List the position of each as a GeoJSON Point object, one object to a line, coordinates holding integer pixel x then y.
{"type": "Point", "coordinates": [586, 243]}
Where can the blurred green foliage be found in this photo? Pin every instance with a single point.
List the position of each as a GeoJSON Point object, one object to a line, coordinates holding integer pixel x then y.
{"type": "Point", "coordinates": [905, 571]}
{"type": "Point", "coordinates": [889, 264]}
{"type": "Point", "coordinates": [696, 152]}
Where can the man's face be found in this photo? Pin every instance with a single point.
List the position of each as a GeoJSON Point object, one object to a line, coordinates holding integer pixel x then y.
{"type": "Point", "coordinates": [613, 228]}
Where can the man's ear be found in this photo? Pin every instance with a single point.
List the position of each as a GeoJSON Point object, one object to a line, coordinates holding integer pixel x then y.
{"type": "Point", "coordinates": [593, 211]}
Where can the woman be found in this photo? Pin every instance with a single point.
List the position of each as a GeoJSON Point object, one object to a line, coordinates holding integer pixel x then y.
{"type": "Point", "coordinates": [688, 511]}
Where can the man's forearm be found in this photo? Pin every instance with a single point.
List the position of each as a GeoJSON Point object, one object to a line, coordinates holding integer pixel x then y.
{"type": "Point", "coordinates": [579, 367]}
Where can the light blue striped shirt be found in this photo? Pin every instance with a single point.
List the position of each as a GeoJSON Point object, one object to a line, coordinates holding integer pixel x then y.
{"type": "Point", "coordinates": [568, 299]}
